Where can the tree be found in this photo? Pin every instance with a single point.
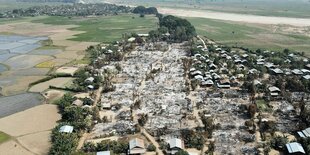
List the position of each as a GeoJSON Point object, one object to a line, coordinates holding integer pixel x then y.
{"type": "Point", "coordinates": [279, 142]}
{"type": "Point", "coordinates": [179, 29]}
{"type": "Point", "coordinates": [89, 147]}
{"type": "Point", "coordinates": [87, 101]}
{"type": "Point", "coordinates": [63, 143]}
{"type": "Point", "coordinates": [151, 148]}
{"type": "Point", "coordinates": [252, 110]}
{"type": "Point", "coordinates": [65, 101]}
{"type": "Point", "coordinates": [144, 10]}
{"type": "Point", "coordinates": [182, 152]}
{"type": "Point", "coordinates": [143, 119]}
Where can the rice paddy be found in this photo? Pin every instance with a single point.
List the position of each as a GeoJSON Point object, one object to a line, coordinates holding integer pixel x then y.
{"type": "Point", "coordinates": [18, 103]}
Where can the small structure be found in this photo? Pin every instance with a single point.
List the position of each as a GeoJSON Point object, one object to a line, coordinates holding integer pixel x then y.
{"type": "Point", "coordinates": [199, 77]}
{"type": "Point", "coordinates": [105, 104]}
{"type": "Point", "coordinates": [304, 133]}
{"type": "Point", "coordinates": [244, 55]}
{"type": "Point", "coordinates": [91, 87]}
{"type": "Point", "coordinates": [90, 79]}
{"type": "Point", "coordinates": [197, 72]}
{"type": "Point", "coordinates": [175, 145]}
{"type": "Point", "coordinates": [260, 61]}
{"type": "Point", "coordinates": [78, 103]}
{"type": "Point", "coordinates": [269, 65]}
{"type": "Point", "coordinates": [143, 34]}
{"type": "Point", "coordinates": [207, 83]}
{"type": "Point", "coordinates": [132, 39]}
{"type": "Point", "coordinates": [66, 129]}
{"type": "Point", "coordinates": [238, 61]}
{"type": "Point", "coordinates": [224, 83]}
{"type": "Point", "coordinates": [274, 91]}
{"type": "Point", "coordinates": [136, 146]}
{"type": "Point", "coordinates": [277, 71]}
{"type": "Point", "coordinates": [307, 77]}
{"type": "Point", "coordinates": [207, 77]}
{"type": "Point", "coordinates": [295, 148]}
{"type": "Point", "coordinates": [297, 72]}
{"type": "Point", "coordinates": [216, 76]}
{"type": "Point", "coordinates": [103, 153]}
{"type": "Point", "coordinates": [256, 82]}
{"type": "Point", "coordinates": [212, 66]}
{"type": "Point", "coordinates": [192, 69]}
{"type": "Point", "coordinates": [253, 71]}
{"type": "Point", "coordinates": [218, 49]}
{"type": "Point", "coordinates": [305, 71]}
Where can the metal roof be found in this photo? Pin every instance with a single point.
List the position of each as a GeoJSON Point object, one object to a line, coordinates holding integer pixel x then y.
{"type": "Point", "coordinates": [295, 147]}
{"type": "Point", "coordinates": [273, 88]}
{"type": "Point", "coordinates": [301, 134]}
{"type": "Point", "coordinates": [306, 132]}
{"type": "Point", "coordinates": [66, 129]}
{"type": "Point", "coordinates": [277, 71]}
{"type": "Point", "coordinates": [103, 153]}
{"type": "Point", "coordinates": [136, 143]}
{"type": "Point", "coordinates": [175, 143]}
{"type": "Point", "coordinates": [307, 77]}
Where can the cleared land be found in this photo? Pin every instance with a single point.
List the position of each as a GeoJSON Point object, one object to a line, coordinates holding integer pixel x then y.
{"type": "Point", "coordinates": [237, 17]}
{"type": "Point", "coordinates": [30, 121]}
{"type": "Point", "coordinates": [30, 130]}
{"type": "Point", "coordinates": [106, 28]}
{"type": "Point", "coordinates": [3, 137]}
{"type": "Point", "coordinates": [13, 148]}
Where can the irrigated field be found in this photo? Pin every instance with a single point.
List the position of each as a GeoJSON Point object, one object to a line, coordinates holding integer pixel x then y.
{"type": "Point", "coordinates": [106, 28]}
{"type": "Point", "coordinates": [12, 104]}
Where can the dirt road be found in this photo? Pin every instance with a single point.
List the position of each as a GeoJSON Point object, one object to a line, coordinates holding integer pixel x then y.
{"type": "Point", "coordinates": [300, 22]}
{"type": "Point", "coordinates": [153, 141]}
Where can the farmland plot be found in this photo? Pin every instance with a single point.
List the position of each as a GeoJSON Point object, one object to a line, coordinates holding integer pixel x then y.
{"type": "Point", "coordinates": [46, 52]}
{"type": "Point", "coordinates": [26, 61]}
{"type": "Point", "coordinates": [2, 68]}
{"type": "Point", "coordinates": [57, 82]}
{"type": "Point", "coordinates": [13, 104]}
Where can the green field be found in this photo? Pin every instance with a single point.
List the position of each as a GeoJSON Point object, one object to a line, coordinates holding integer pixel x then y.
{"type": "Point", "coordinates": [106, 28]}
{"type": "Point", "coordinates": [251, 36]}
{"type": "Point", "coordinates": [3, 137]}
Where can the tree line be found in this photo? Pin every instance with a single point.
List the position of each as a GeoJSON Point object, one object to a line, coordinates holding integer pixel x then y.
{"type": "Point", "coordinates": [144, 10]}
{"type": "Point", "coordinates": [67, 10]}
{"type": "Point", "coordinates": [173, 29]}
